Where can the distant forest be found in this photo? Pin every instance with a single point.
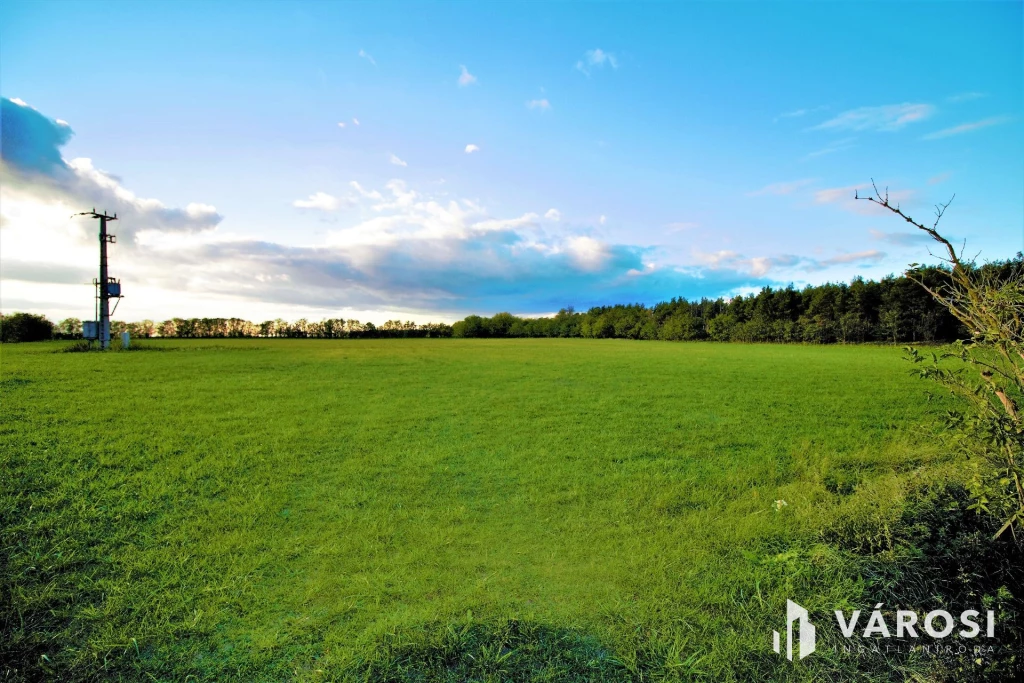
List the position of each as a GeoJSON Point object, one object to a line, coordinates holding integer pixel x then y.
{"type": "Point", "coordinates": [893, 310]}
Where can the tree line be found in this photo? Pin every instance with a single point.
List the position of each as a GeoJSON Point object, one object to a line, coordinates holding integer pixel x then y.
{"type": "Point", "coordinates": [895, 309]}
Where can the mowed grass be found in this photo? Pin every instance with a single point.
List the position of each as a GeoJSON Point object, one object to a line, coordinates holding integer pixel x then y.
{"type": "Point", "coordinates": [305, 509]}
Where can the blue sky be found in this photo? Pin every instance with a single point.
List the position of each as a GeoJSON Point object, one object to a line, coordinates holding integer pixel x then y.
{"type": "Point", "coordinates": [514, 157]}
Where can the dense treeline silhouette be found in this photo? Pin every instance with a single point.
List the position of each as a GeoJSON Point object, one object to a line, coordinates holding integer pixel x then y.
{"type": "Point", "coordinates": [894, 310]}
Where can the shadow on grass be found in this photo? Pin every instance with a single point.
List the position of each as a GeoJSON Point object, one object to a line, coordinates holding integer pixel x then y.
{"type": "Point", "coordinates": [939, 554]}
{"type": "Point", "coordinates": [83, 346]}
{"type": "Point", "coordinates": [508, 650]}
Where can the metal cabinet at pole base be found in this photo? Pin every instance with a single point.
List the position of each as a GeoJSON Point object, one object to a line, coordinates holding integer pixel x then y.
{"type": "Point", "coordinates": [91, 329]}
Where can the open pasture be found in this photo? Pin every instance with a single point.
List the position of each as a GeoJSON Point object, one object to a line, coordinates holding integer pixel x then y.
{"type": "Point", "coordinates": [322, 510]}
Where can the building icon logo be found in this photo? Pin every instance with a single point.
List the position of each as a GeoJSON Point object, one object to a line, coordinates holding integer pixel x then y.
{"type": "Point", "coordinates": [805, 632]}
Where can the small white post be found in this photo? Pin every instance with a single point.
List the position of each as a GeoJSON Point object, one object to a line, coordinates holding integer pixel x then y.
{"type": "Point", "coordinates": [125, 340]}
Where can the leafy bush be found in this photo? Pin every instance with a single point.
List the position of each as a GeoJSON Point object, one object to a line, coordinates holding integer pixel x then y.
{"type": "Point", "coordinates": [986, 371]}
{"type": "Point", "coordinates": [25, 327]}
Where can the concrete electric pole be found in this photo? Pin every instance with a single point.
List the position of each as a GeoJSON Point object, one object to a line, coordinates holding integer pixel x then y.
{"type": "Point", "coordinates": [107, 288]}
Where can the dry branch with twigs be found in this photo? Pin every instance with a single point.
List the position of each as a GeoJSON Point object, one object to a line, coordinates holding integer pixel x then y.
{"type": "Point", "coordinates": [991, 307]}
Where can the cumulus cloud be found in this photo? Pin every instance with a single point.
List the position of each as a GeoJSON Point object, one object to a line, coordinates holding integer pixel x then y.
{"type": "Point", "coordinates": [31, 162]}
{"type": "Point", "coordinates": [29, 140]}
{"type": "Point", "coordinates": [967, 127]}
{"type": "Point", "coordinates": [318, 200]}
{"type": "Point", "coordinates": [409, 250]}
{"type": "Point", "coordinates": [465, 78]}
{"type": "Point", "coordinates": [396, 161]}
{"type": "Point", "coordinates": [553, 215]}
{"type": "Point", "coordinates": [543, 104]}
{"type": "Point", "coordinates": [889, 117]}
{"type": "Point", "coordinates": [596, 58]}
{"type": "Point", "coordinates": [472, 148]}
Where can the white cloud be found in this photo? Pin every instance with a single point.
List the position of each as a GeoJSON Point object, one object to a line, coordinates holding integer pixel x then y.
{"type": "Point", "coordinates": [782, 188]}
{"type": "Point", "coordinates": [967, 127]}
{"type": "Point", "coordinates": [603, 219]}
{"type": "Point", "coordinates": [341, 124]}
{"type": "Point", "coordinates": [79, 184]}
{"type": "Point", "coordinates": [940, 178]}
{"type": "Point", "coordinates": [596, 58]}
{"type": "Point", "coordinates": [888, 117]}
{"type": "Point", "coordinates": [396, 161]}
{"type": "Point", "coordinates": [466, 78]}
{"type": "Point", "coordinates": [901, 239]}
{"type": "Point", "coordinates": [553, 215]}
{"type": "Point", "coordinates": [364, 193]}
{"type": "Point", "coordinates": [355, 121]}
{"type": "Point", "coordinates": [472, 148]}
{"type": "Point", "coordinates": [797, 113]}
{"type": "Point", "coordinates": [319, 200]}
{"type": "Point", "coordinates": [837, 146]}
{"type": "Point", "coordinates": [588, 253]}
{"type": "Point", "coordinates": [197, 210]}
{"type": "Point", "coordinates": [367, 57]}
{"type": "Point", "coordinates": [543, 104]}
{"type": "Point", "coordinates": [760, 266]}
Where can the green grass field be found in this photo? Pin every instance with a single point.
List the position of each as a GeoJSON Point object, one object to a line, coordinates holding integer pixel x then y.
{"type": "Point", "coordinates": [514, 509]}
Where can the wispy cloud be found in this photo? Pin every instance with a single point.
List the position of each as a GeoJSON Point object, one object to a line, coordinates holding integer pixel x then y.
{"type": "Point", "coordinates": [341, 124]}
{"type": "Point", "coordinates": [466, 78]}
{"type": "Point", "coordinates": [843, 197]}
{"type": "Point", "coordinates": [837, 146]}
{"type": "Point", "coordinates": [888, 117]}
{"type": "Point", "coordinates": [596, 58]}
{"type": "Point", "coordinates": [966, 97]}
{"type": "Point", "coordinates": [781, 188]}
{"type": "Point", "coordinates": [365, 55]}
{"type": "Point", "coordinates": [760, 266]}
{"type": "Point", "coordinates": [797, 113]}
{"type": "Point", "coordinates": [682, 226]}
{"type": "Point", "coordinates": [396, 161]}
{"type": "Point", "coordinates": [320, 201]}
{"type": "Point", "coordinates": [967, 127]}
{"type": "Point", "coordinates": [472, 148]}
{"type": "Point", "coordinates": [355, 121]}
{"type": "Point", "coordinates": [941, 178]}
{"type": "Point", "coordinates": [900, 239]}
{"type": "Point", "coordinates": [543, 104]}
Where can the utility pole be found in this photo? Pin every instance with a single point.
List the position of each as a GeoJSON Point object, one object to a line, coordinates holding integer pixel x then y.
{"type": "Point", "coordinates": [107, 288]}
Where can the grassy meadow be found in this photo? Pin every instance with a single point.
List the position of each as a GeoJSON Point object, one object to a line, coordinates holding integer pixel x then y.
{"type": "Point", "coordinates": [269, 510]}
